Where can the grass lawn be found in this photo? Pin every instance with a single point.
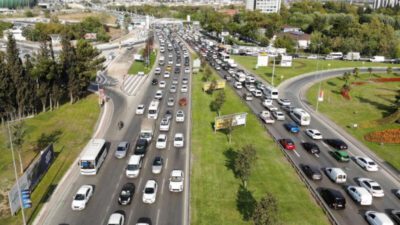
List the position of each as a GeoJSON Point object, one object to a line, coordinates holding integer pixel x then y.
{"type": "Point", "coordinates": [104, 18]}
{"type": "Point", "coordinates": [75, 122]}
{"type": "Point", "coordinates": [139, 66]}
{"type": "Point", "coordinates": [214, 189]}
{"type": "Point", "coordinates": [369, 102]}
{"type": "Point", "coordinates": [300, 66]}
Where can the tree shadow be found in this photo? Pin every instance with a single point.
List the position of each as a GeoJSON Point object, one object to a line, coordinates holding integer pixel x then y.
{"type": "Point", "coordinates": [245, 203]}
{"type": "Point", "coordinates": [387, 109]}
{"type": "Point", "coordinates": [230, 155]}
{"type": "Point", "coordinates": [331, 83]}
{"type": "Point", "coordinates": [336, 92]}
{"type": "Point", "coordinates": [45, 139]}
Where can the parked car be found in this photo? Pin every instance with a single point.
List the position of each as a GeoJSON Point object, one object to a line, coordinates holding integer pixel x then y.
{"type": "Point", "coordinates": [378, 218]}
{"type": "Point", "coordinates": [311, 147]}
{"type": "Point", "coordinates": [157, 165]}
{"type": "Point", "coordinates": [340, 155]}
{"type": "Point", "coordinates": [126, 194]}
{"type": "Point", "coordinates": [176, 181]}
{"type": "Point", "coordinates": [122, 149]}
{"type": "Point", "coordinates": [292, 128]}
{"type": "Point", "coordinates": [287, 144]}
{"type": "Point", "coordinates": [82, 197]}
{"type": "Point", "coordinates": [336, 144]}
{"type": "Point", "coordinates": [314, 134]}
{"type": "Point", "coordinates": [311, 172]}
{"type": "Point", "coordinates": [150, 192]}
{"type": "Point", "coordinates": [333, 198]}
{"type": "Point", "coordinates": [372, 186]}
{"type": "Point", "coordinates": [366, 163]}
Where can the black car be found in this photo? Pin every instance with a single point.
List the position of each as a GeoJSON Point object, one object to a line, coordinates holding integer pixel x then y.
{"type": "Point", "coordinates": [168, 114]}
{"type": "Point", "coordinates": [333, 198]}
{"type": "Point", "coordinates": [336, 144]}
{"type": "Point", "coordinates": [144, 220]}
{"type": "Point", "coordinates": [395, 215]}
{"type": "Point", "coordinates": [141, 147]}
{"type": "Point", "coordinates": [154, 82]}
{"type": "Point", "coordinates": [311, 147]}
{"type": "Point", "coordinates": [312, 172]}
{"type": "Point", "coordinates": [126, 194]}
{"type": "Point", "coordinates": [177, 70]}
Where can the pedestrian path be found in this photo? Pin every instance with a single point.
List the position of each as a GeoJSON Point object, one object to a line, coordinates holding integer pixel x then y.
{"type": "Point", "coordinates": [132, 83]}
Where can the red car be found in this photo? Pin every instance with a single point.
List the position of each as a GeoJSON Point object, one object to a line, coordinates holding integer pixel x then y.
{"type": "Point", "coordinates": [287, 144]}
{"type": "Point", "coordinates": [183, 102]}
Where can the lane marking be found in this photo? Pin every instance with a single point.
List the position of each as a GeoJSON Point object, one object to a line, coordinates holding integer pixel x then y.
{"type": "Point", "coordinates": [295, 152]}
{"type": "Point", "coordinates": [158, 216]}
{"type": "Point", "coordinates": [316, 155]}
{"type": "Point", "coordinates": [166, 164]}
{"type": "Point", "coordinates": [162, 185]}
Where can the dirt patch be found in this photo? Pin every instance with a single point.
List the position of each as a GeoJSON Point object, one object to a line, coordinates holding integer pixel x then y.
{"type": "Point", "coordinates": [391, 136]}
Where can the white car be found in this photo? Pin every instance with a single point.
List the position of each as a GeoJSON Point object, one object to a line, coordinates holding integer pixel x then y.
{"type": "Point", "coordinates": [116, 219]}
{"type": "Point", "coordinates": [172, 89]}
{"type": "Point", "coordinates": [185, 80]}
{"type": "Point", "coordinates": [165, 124]}
{"type": "Point", "coordinates": [372, 186]}
{"type": "Point", "coordinates": [175, 80]}
{"type": "Point", "coordinates": [150, 192]}
{"type": "Point", "coordinates": [283, 101]}
{"type": "Point", "coordinates": [378, 218]}
{"type": "Point", "coordinates": [82, 197]}
{"type": "Point", "coordinates": [158, 94]}
{"type": "Point", "coordinates": [180, 116]}
{"type": "Point", "coordinates": [178, 140]}
{"type": "Point", "coordinates": [157, 71]}
{"type": "Point", "coordinates": [314, 134]}
{"type": "Point", "coordinates": [171, 102]}
{"type": "Point", "coordinates": [140, 109]}
{"type": "Point", "coordinates": [184, 88]}
{"type": "Point", "coordinates": [167, 74]}
{"type": "Point", "coordinates": [176, 181]}
{"type": "Point", "coordinates": [162, 84]}
{"type": "Point", "coordinates": [267, 102]}
{"type": "Point", "coordinates": [161, 141]}
{"type": "Point", "coordinates": [266, 117]}
{"type": "Point", "coordinates": [170, 55]}
{"type": "Point", "coordinates": [312, 57]}
{"type": "Point", "coordinates": [187, 70]}
{"type": "Point", "coordinates": [157, 166]}
{"type": "Point", "coordinates": [238, 85]}
{"type": "Point", "coordinates": [251, 87]}
{"type": "Point", "coordinates": [170, 62]}
{"type": "Point", "coordinates": [359, 195]}
{"type": "Point", "coordinates": [248, 97]}
{"type": "Point", "coordinates": [278, 115]}
{"type": "Point", "coordinates": [366, 163]}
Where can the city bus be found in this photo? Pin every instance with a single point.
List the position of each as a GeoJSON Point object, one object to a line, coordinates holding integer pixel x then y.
{"type": "Point", "coordinates": [271, 92]}
{"type": "Point", "coordinates": [153, 109]}
{"type": "Point", "coordinates": [300, 116]}
{"type": "Point", "coordinates": [93, 156]}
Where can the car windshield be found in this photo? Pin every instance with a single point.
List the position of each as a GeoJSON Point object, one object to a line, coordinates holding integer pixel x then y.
{"type": "Point", "coordinates": [133, 167]}
{"type": "Point", "coordinates": [79, 197]}
{"type": "Point", "coordinates": [371, 163]}
{"type": "Point", "coordinates": [157, 163]}
{"type": "Point", "coordinates": [178, 139]}
{"type": "Point", "coordinates": [120, 148]}
{"type": "Point", "coordinates": [376, 188]}
{"type": "Point", "coordinates": [176, 179]}
{"type": "Point", "coordinates": [87, 164]}
{"type": "Point", "coordinates": [149, 190]}
{"type": "Point", "coordinates": [125, 193]}
{"type": "Point", "coordinates": [144, 135]}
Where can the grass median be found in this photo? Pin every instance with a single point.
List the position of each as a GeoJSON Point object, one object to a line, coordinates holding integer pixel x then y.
{"type": "Point", "coordinates": [369, 102]}
{"type": "Point", "coordinates": [300, 66]}
{"type": "Point", "coordinates": [140, 66]}
{"type": "Point", "coordinates": [74, 125]}
{"type": "Point", "coordinates": [215, 196]}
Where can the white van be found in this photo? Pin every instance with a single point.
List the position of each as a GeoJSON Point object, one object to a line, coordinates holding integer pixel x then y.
{"type": "Point", "coordinates": [378, 218]}
{"type": "Point", "coordinates": [134, 165]}
{"type": "Point", "coordinates": [337, 175]}
{"type": "Point", "coordinates": [377, 58]}
{"type": "Point", "coordinates": [360, 195]}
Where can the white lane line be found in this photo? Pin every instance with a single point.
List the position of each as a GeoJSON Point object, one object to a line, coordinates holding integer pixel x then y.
{"type": "Point", "coordinates": [158, 216]}
{"type": "Point", "coordinates": [162, 186]}
{"type": "Point", "coordinates": [166, 163]}
{"type": "Point", "coordinates": [316, 155]}
{"type": "Point", "coordinates": [295, 152]}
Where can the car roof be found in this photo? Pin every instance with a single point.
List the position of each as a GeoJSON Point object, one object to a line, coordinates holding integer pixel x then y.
{"type": "Point", "coordinates": [122, 144]}
{"type": "Point", "coordinates": [342, 153]}
{"type": "Point", "coordinates": [83, 189]}
{"type": "Point", "coordinates": [176, 173]}
{"type": "Point", "coordinates": [150, 183]}
{"type": "Point", "coordinates": [115, 218]}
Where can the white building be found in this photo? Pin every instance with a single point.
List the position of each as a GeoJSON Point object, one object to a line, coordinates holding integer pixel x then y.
{"type": "Point", "coordinates": [265, 6]}
{"type": "Point", "coordinates": [16, 33]}
{"type": "Point", "coordinates": [385, 3]}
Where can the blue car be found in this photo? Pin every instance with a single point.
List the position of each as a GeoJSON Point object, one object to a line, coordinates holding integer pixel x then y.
{"type": "Point", "coordinates": [292, 128]}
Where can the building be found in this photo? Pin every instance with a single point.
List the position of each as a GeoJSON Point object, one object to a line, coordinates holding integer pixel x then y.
{"type": "Point", "coordinates": [13, 4]}
{"type": "Point", "coordinates": [265, 6]}
{"type": "Point", "coordinates": [302, 39]}
{"type": "Point", "coordinates": [16, 33]}
{"type": "Point", "coordinates": [385, 3]}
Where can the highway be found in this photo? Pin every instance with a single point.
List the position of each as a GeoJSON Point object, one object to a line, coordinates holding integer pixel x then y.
{"type": "Point", "coordinates": [169, 208]}
{"type": "Point", "coordinates": [294, 91]}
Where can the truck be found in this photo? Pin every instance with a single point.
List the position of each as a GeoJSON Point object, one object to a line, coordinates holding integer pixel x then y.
{"type": "Point", "coordinates": [377, 58]}
{"type": "Point", "coordinates": [265, 116]}
{"type": "Point", "coordinates": [147, 130]}
{"type": "Point", "coordinates": [352, 56]}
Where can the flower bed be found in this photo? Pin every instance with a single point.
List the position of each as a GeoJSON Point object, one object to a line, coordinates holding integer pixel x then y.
{"type": "Point", "coordinates": [386, 136]}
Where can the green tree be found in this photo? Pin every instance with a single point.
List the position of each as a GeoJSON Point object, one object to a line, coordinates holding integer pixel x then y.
{"type": "Point", "coordinates": [285, 42]}
{"type": "Point", "coordinates": [346, 77]}
{"type": "Point", "coordinates": [266, 211]}
{"type": "Point", "coordinates": [218, 102]}
{"type": "Point", "coordinates": [7, 89]}
{"type": "Point", "coordinates": [356, 72]}
{"type": "Point", "coordinates": [207, 73]}
{"type": "Point", "coordinates": [389, 70]}
{"type": "Point", "coordinates": [18, 139]}
{"type": "Point", "coordinates": [369, 71]}
{"type": "Point", "coordinates": [246, 157]}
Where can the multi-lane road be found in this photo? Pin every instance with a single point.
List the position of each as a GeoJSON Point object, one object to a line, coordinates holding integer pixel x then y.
{"type": "Point", "coordinates": [294, 90]}
{"type": "Point", "coordinates": [169, 208]}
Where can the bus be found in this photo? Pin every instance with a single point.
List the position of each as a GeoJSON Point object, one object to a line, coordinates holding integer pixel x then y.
{"type": "Point", "coordinates": [271, 92]}
{"type": "Point", "coordinates": [153, 109]}
{"type": "Point", "coordinates": [223, 56]}
{"type": "Point", "coordinates": [93, 156]}
{"type": "Point", "coordinates": [300, 116]}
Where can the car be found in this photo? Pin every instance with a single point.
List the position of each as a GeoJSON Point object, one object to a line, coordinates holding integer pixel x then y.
{"type": "Point", "coordinates": [397, 193]}
{"type": "Point", "coordinates": [187, 70]}
{"type": "Point", "coordinates": [182, 102]}
{"type": "Point", "coordinates": [314, 134]}
{"type": "Point", "coordinates": [283, 101]}
{"type": "Point", "coordinates": [161, 141]}
{"type": "Point", "coordinates": [271, 108]}
{"type": "Point", "coordinates": [141, 147]}
{"type": "Point", "coordinates": [126, 194]}
{"type": "Point", "coordinates": [366, 163]}
{"type": "Point", "coordinates": [217, 67]}
{"type": "Point", "coordinates": [177, 70]}
{"type": "Point", "coordinates": [116, 218]}
{"type": "Point", "coordinates": [395, 215]}
{"type": "Point", "coordinates": [180, 116]}
{"type": "Point", "coordinates": [170, 62]}
{"type": "Point", "coordinates": [311, 147]}
{"type": "Point", "coordinates": [82, 197]}
{"type": "Point", "coordinates": [185, 80]}
{"type": "Point", "coordinates": [267, 102]}
{"type": "Point", "coordinates": [257, 93]}
{"type": "Point", "coordinates": [165, 124]}
{"type": "Point", "coordinates": [288, 108]}
{"type": "Point", "coordinates": [150, 192]}
{"type": "Point", "coordinates": [266, 117]}
{"type": "Point", "coordinates": [162, 84]}
{"type": "Point", "coordinates": [175, 80]}
{"type": "Point", "coordinates": [359, 195]}
{"type": "Point", "coordinates": [168, 114]}
{"type": "Point", "coordinates": [143, 221]}
{"type": "Point", "coordinates": [168, 69]}
{"type": "Point", "coordinates": [184, 88]}
{"type": "Point", "coordinates": [238, 85]}
{"type": "Point", "coordinates": [171, 102]}
{"type": "Point", "coordinates": [178, 140]}
{"type": "Point", "coordinates": [176, 181]}
{"type": "Point", "coordinates": [377, 218]}
{"type": "Point", "coordinates": [311, 172]}
{"type": "Point", "coordinates": [248, 96]}
{"type": "Point", "coordinates": [154, 82]}
{"type": "Point", "coordinates": [228, 77]}
{"type": "Point", "coordinates": [170, 55]}
{"type": "Point", "coordinates": [157, 165]}
{"type": "Point", "coordinates": [158, 95]}
{"type": "Point", "coordinates": [372, 186]}
{"type": "Point", "coordinates": [172, 89]}
{"type": "Point", "coordinates": [167, 74]}
{"type": "Point", "coordinates": [140, 109]}
{"type": "Point", "coordinates": [122, 149]}
{"type": "Point", "coordinates": [340, 155]}
{"type": "Point", "coordinates": [333, 198]}
{"type": "Point", "coordinates": [336, 144]}
{"type": "Point", "coordinates": [292, 128]}
{"type": "Point", "coordinates": [287, 144]}
{"type": "Point", "coordinates": [278, 115]}
{"type": "Point", "coordinates": [157, 71]}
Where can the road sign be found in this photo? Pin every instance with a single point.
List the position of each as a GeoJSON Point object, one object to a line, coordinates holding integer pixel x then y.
{"type": "Point", "coordinates": [26, 198]}
{"type": "Point", "coordinates": [321, 96]}
{"type": "Point", "coordinates": [223, 122]}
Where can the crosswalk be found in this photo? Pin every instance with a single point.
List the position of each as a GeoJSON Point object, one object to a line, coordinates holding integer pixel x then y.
{"type": "Point", "coordinates": [103, 79]}
{"type": "Point", "coordinates": [131, 84]}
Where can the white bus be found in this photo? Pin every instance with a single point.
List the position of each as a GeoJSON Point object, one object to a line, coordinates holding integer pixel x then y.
{"type": "Point", "coordinates": [300, 116]}
{"type": "Point", "coordinates": [271, 92]}
{"type": "Point", "coordinates": [92, 156]}
{"type": "Point", "coordinates": [224, 56]}
{"type": "Point", "coordinates": [153, 109]}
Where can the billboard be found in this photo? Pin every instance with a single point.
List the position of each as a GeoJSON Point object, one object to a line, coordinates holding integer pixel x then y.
{"type": "Point", "coordinates": [31, 177]}
{"type": "Point", "coordinates": [220, 85]}
{"type": "Point", "coordinates": [223, 122]}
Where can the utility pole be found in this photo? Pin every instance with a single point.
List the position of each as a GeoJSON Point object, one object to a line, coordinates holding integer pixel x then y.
{"type": "Point", "coordinates": [319, 86]}
{"type": "Point", "coordinates": [273, 73]}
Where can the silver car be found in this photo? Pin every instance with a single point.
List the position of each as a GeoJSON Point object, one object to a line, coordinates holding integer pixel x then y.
{"type": "Point", "coordinates": [157, 166]}
{"type": "Point", "coordinates": [171, 102]}
{"type": "Point", "coordinates": [122, 149]}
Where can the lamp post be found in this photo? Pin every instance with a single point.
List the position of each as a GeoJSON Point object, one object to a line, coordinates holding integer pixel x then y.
{"type": "Point", "coordinates": [273, 73]}
{"type": "Point", "coordinates": [316, 76]}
